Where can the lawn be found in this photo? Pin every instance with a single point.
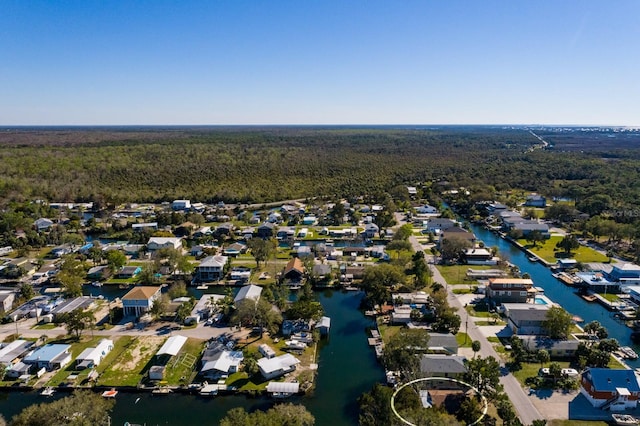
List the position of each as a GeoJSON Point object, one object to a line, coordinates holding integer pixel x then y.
{"type": "Point", "coordinates": [463, 290]}
{"type": "Point", "coordinates": [610, 297]}
{"type": "Point", "coordinates": [479, 313]}
{"type": "Point", "coordinates": [490, 322]}
{"type": "Point", "coordinates": [531, 370]}
{"type": "Point", "coordinates": [130, 367]}
{"type": "Point", "coordinates": [388, 331]}
{"type": "Point", "coordinates": [76, 348]}
{"type": "Point", "coordinates": [180, 368]}
{"type": "Point", "coordinates": [463, 339]}
{"type": "Point", "coordinates": [49, 326]}
{"type": "Point", "coordinates": [458, 273]}
{"type": "Point", "coordinates": [547, 251]}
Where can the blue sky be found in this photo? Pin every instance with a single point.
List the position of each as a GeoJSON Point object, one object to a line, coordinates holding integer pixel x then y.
{"type": "Point", "coordinates": [320, 62]}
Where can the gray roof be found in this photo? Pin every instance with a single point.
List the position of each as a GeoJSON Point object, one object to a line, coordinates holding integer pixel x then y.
{"type": "Point", "coordinates": [442, 340]}
{"type": "Point", "coordinates": [525, 311]}
{"type": "Point", "coordinates": [441, 364]}
{"type": "Point", "coordinates": [541, 342]}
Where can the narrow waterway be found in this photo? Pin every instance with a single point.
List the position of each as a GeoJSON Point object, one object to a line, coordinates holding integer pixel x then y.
{"type": "Point", "coordinates": [558, 292]}
{"type": "Point", "coordinates": [347, 368]}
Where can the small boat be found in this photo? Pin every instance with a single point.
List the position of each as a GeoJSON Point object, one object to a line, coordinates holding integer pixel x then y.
{"type": "Point", "coordinates": [628, 352]}
{"type": "Point", "coordinates": [589, 297]}
{"type": "Point", "coordinates": [624, 420]}
{"type": "Point", "coordinates": [209, 390]}
{"type": "Point", "coordinates": [96, 284]}
{"type": "Point", "coordinates": [48, 391]}
{"type": "Point", "coordinates": [110, 393]}
{"type": "Point", "coordinates": [532, 259]}
{"type": "Point", "coordinates": [161, 391]}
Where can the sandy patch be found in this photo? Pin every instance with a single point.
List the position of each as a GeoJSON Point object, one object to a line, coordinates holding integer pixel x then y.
{"type": "Point", "coordinates": [143, 346]}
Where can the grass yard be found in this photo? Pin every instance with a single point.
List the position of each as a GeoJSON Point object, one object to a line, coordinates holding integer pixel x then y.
{"type": "Point", "coordinates": [463, 339]}
{"type": "Point", "coordinates": [388, 331]}
{"type": "Point", "coordinates": [610, 297]}
{"type": "Point", "coordinates": [478, 314]}
{"type": "Point", "coordinates": [463, 290]}
{"type": "Point", "coordinates": [49, 326]}
{"type": "Point", "coordinates": [181, 368]}
{"type": "Point", "coordinates": [490, 322]}
{"type": "Point", "coordinates": [531, 370]}
{"type": "Point", "coordinates": [241, 381]}
{"type": "Point", "coordinates": [76, 348]}
{"type": "Point", "coordinates": [458, 273]}
{"type": "Point", "coordinates": [546, 250]}
{"type": "Point", "coordinates": [133, 362]}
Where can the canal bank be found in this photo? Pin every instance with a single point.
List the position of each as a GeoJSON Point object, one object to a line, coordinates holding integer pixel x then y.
{"type": "Point", "coordinates": [558, 292]}
{"type": "Point", "coordinates": [347, 368]}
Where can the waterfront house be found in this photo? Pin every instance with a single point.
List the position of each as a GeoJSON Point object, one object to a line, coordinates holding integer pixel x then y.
{"type": "Point", "coordinates": [91, 357]}
{"type": "Point", "coordinates": [240, 273]}
{"type": "Point", "coordinates": [565, 264]}
{"type": "Point", "coordinates": [271, 368]}
{"type": "Point", "coordinates": [212, 268]}
{"type": "Point", "coordinates": [171, 346]}
{"type": "Point", "coordinates": [625, 273]}
{"type": "Point", "coordinates": [496, 207]}
{"type": "Point", "coordinates": [439, 224]}
{"type": "Point", "coordinates": [157, 243]}
{"type": "Point", "coordinates": [10, 353]}
{"type": "Point", "coordinates": [535, 200]}
{"type": "Point", "coordinates": [266, 230]}
{"type": "Point", "coordinates": [50, 356]}
{"type": "Point", "coordinates": [426, 209]}
{"type": "Point", "coordinates": [127, 272]}
{"type": "Point", "coordinates": [444, 343]}
{"type": "Point", "coordinates": [139, 300]}
{"type": "Point", "coordinates": [509, 290]}
{"type": "Point", "coordinates": [555, 348]}
{"type": "Point", "coordinates": [439, 365]}
{"type": "Point", "coordinates": [526, 318]}
{"type": "Point", "coordinates": [235, 249]}
{"type": "Point", "coordinates": [43, 224]}
{"type": "Point", "coordinates": [370, 230]}
{"type": "Point", "coordinates": [606, 388]}
{"type": "Point", "coordinates": [479, 256]}
{"type": "Point", "coordinates": [286, 233]}
{"type": "Point", "coordinates": [324, 325]}
{"type": "Point", "coordinates": [70, 305]}
{"type": "Point", "coordinates": [294, 270]}
{"type": "Point", "coordinates": [596, 282]}
{"type": "Point", "coordinates": [98, 272]}
{"type": "Point", "coordinates": [401, 314]}
{"type": "Point", "coordinates": [181, 205]}
{"type": "Point", "coordinates": [19, 369]}
{"type": "Point", "coordinates": [250, 291]}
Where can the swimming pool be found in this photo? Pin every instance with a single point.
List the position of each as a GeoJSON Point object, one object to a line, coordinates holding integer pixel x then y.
{"type": "Point", "coordinates": [540, 301]}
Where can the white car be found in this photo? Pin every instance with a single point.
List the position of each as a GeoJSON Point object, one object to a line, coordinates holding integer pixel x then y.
{"type": "Point", "coordinates": [570, 372]}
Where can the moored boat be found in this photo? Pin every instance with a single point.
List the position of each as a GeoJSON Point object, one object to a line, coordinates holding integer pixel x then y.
{"type": "Point", "coordinates": [48, 391]}
{"type": "Point", "coordinates": [624, 419]}
{"type": "Point", "coordinates": [110, 393]}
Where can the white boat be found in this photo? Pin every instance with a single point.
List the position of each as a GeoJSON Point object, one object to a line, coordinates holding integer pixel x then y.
{"type": "Point", "coordinates": [48, 391]}
{"type": "Point", "coordinates": [628, 352]}
{"type": "Point", "coordinates": [110, 393]}
{"type": "Point", "coordinates": [96, 284]}
{"type": "Point", "coordinates": [624, 420]}
{"type": "Point", "coordinates": [209, 390]}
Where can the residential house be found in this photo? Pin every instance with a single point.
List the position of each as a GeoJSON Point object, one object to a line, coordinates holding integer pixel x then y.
{"type": "Point", "coordinates": [266, 351]}
{"type": "Point", "coordinates": [555, 348]}
{"type": "Point", "coordinates": [439, 365]}
{"type": "Point", "coordinates": [496, 208]}
{"type": "Point", "coordinates": [240, 273]}
{"type": "Point", "coordinates": [401, 314]}
{"type": "Point", "coordinates": [60, 251]}
{"type": "Point", "coordinates": [157, 243]}
{"type": "Point", "coordinates": [282, 389]}
{"type": "Point", "coordinates": [139, 300]}
{"type": "Point", "coordinates": [250, 291]}
{"type": "Point", "coordinates": [413, 191]}
{"type": "Point", "coordinates": [70, 305]}
{"type": "Point", "coordinates": [181, 205]}
{"type": "Point", "coordinates": [564, 264]}
{"type": "Point", "coordinates": [426, 209]}
{"type": "Point", "coordinates": [445, 343]}
{"type": "Point", "coordinates": [528, 226]}
{"type": "Point", "coordinates": [127, 272]}
{"type": "Point", "coordinates": [611, 389]}
{"type": "Point", "coordinates": [309, 220]}
{"type": "Point", "coordinates": [479, 256]}
{"type": "Point", "coordinates": [139, 227]}
{"type": "Point", "coordinates": [203, 231]}
{"type": "Point", "coordinates": [285, 233]}
{"type": "Point", "coordinates": [49, 356]}
{"type": "Point", "coordinates": [458, 233]}
{"type": "Point", "coordinates": [218, 361]}
{"type": "Point", "coordinates": [235, 249]}
{"type": "Point", "coordinates": [225, 229]}
{"type": "Point", "coordinates": [510, 290]}
{"type": "Point", "coordinates": [212, 268]}
{"type": "Point", "coordinates": [98, 272]}
{"type": "Point", "coordinates": [302, 251]}
{"type": "Point", "coordinates": [294, 271]}
{"type": "Point", "coordinates": [625, 273]}
{"type": "Point", "coordinates": [18, 370]}
{"type": "Point", "coordinates": [43, 224]}
{"type": "Point", "coordinates": [526, 318]}
{"type": "Point", "coordinates": [370, 230]}
{"type": "Point", "coordinates": [271, 368]}
{"type": "Point", "coordinates": [324, 325]}
{"type": "Point", "coordinates": [266, 230]}
{"type": "Point", "coordinates": [7, 298]}
{"type": "Point", "coordinates": [172, 346]}
{"type": "Point", "coordinates": [91, 357]}
{"type": "Point", "coordinates": [596, 281]}
{"type": "Point", "coordinates": [321, 273]}
{"type": "Point", "coordinates": [10, 353]}
{"type": "Point", "coordinates": [438, 224]}
{"type": "Point", "coordinates": [535, 200]}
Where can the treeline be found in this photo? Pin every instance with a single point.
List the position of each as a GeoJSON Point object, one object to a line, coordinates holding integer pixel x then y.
{"type": "Point", "coordinates": [261, 165]}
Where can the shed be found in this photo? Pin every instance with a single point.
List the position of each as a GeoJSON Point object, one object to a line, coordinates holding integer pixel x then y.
{"type": "Point", "coordinates": [172, 346]}
{"type": "Point", "coordinates": [324, 325]}
{"type": "Point", "coordinates": [156, 372]}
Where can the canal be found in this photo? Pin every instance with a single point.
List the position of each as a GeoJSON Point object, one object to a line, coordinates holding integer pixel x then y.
{"type": "Point", "coordinates": [347, 368]}
{"type": "Point", "coordinates": [558, 292]}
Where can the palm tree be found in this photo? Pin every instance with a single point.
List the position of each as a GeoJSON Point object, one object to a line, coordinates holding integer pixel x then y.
{"type": "Point", "coordinates": [475, 347]}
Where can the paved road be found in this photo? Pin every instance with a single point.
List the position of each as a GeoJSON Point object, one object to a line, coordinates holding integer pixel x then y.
{"type": "Point", "coordinates": [527, 412]}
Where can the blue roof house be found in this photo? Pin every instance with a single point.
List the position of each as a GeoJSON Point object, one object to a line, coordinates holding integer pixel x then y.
{"type": "Point", "coordinates": [51, 357]}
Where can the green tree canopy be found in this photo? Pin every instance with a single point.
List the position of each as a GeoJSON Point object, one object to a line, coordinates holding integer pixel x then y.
{"type": "Point", "coordinates": [281, 415]}
{"type": "Point", "coordinates": [82, 408]}
{"type": "Point", "coordinates": [557, 323]}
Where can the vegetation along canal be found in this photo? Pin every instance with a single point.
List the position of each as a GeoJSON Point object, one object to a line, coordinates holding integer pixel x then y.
{"type": "Point", "coordinates": [347, 368]}
{"type": "Point", "coordinates": [558, 292]}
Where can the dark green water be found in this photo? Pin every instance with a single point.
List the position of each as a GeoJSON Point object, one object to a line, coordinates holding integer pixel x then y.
{"type": "Point", "coordinates": [347, 368]}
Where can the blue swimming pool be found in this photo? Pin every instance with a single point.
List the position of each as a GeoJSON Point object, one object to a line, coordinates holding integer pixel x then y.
{"type": "Point", "coordinates": [540, 301]}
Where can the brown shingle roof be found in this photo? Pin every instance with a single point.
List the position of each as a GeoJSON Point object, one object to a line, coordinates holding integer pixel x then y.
{"type": "Point", "coordinates": [141, 293]}
{"type": "Point", "coordinates": [294, 264]}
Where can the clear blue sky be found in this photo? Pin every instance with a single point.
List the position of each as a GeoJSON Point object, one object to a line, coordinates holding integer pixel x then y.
{"type": "Point", "coordinates": [320, 62]}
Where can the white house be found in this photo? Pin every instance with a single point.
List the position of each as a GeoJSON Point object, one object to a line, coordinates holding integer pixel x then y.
{"type": "Point", "coordinates": [157, 243]}
{"type": "Point", "coordinates": [248, 292]}
{"type": "Point", "coordinates": [211, 268]}
{"type": "Point", "coordinates": [139, 300]}
{"type": "Point", "coordinates": [270, 368]}
{"type": "Point", "coordinates": [91, 357]}
{"type": "Point", "coordinates": [181, 205]}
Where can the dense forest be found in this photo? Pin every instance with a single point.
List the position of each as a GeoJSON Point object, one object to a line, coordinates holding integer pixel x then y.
{"type": "Point", "coordinates": [247, 164]}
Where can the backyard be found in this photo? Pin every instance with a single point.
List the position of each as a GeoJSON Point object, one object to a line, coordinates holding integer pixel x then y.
{"type": "Point", "coordinates": [548, 251]}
